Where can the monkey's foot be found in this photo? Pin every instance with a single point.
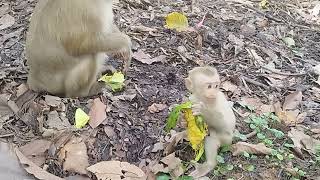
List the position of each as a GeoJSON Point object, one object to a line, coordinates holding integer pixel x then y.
{"type": "Point", "coordinates": [201, 170]}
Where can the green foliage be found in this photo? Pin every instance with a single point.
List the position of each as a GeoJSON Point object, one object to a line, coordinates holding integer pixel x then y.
{"type": "Point", "coordinates": [238, 135]}
{"type": "Point", "coordinates": [250, 167]}
{"type": "Point", "coordinates": [185, 178]}
{"type": "Point", "coordinates": [163, 176]}
{"type": "Point", "coordinates": [174, 115]}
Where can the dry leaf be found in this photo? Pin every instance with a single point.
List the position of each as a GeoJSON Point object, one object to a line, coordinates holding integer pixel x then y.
{"type": "Point", "coordinates": [116, 170]}
{"type": "Point", "coordinates": [292, 100]}
{"type": "Point", "coordinates": [303, 141]}
{"type": "Point", "coordinates": [22, 89]}
{"type": "Point", "coordinates": [74, 156]}
{"type": "Point", "coordinates": [142, 28]}
{"type": "Point", "coordinates": [146, 58]}
{"type": "Point", "coordinates": [109, 131]}
{"type": "Point", "coordinates": [155, 108]}
{"type": "Point", "coordinates": [33, 169]}
{"type": "Point", "coordinates": [228, 86]}
{"type": "Point", "coordinates": [55, 121]}
{"type": "Point", "coordinates": [36, 151]}
{"type": "Point", "coordinates": [157, 147]}
{"type": "Point", "coordinates": [174, 165]}
{"type": "Point", "coordinates": [5, 110]}
{"type": "Point", "coordinates": [6, 21]}
{"type": "Point", "coordinates": [53, 101]}
{"type": "Point", "coordinates": [241, 147]}
{"type": "Point", "coordinates": [175, 139]}
{"type": "Point", "coordinates": [97, 113]}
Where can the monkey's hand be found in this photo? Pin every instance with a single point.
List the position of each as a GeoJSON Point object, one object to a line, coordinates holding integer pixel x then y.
{"type": "Point", "coordinates": [197, 108]}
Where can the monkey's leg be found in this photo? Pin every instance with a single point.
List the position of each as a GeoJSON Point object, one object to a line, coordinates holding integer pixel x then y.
{"type": "Point", "coordinates": [212, 144]}
{"type": "Point", "coordinates": [81, 78]}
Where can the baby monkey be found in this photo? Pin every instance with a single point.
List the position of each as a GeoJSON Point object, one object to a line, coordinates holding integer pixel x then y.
{"type": "Point", "coordinates": [211, 103]}
{"type": "Point", "coordinates": [66, 43]}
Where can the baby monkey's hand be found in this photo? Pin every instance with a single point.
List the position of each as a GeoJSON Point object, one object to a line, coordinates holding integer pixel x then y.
{"type": "Point", "coordinates": [196, 108]}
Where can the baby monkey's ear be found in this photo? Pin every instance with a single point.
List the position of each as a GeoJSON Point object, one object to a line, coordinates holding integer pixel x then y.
{"type": "Point", "coordinates": [188, 84]}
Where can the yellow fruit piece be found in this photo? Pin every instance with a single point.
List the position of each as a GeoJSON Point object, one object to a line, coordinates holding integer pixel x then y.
{"type": "Point", "coordinates": [81, 118]}
{"type": "Point", "coordinates": [196, 135]}
{"type": "Point", "coordinates": [176, 21]}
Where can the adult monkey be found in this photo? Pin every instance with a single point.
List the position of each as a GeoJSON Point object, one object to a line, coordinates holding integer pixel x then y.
{"type": "Point", "coordinates": [66, 43]}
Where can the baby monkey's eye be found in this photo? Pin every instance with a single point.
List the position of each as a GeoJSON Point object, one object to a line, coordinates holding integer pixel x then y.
{"type": "Point", "coordinates": [209, 86]}
{"type": "Point", "coordinates": [216, 86]}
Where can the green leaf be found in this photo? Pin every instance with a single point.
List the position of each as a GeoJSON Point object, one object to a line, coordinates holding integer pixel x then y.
{"type": "Point", "coordinates": [185, 178]}
{"type": "Point", "coordinates": [301, 173]}
{"type": "Point", "coordinates": [250, 168]}
{"type": "Point", "coordinates": [240, 136]}
{"type": "Point", "coordinates": [274, 152]}
{"type": "Point", "coordinates": [229, 167]}
{"type": "Point", "coordinates": [254, 156]}
{"type": "Point", "coordinates": [277, 133]}
{"type": "Point", "coordinates": [290, 156]}
{"type": "Point", "coordinates": [225, 148]}
{"type": "Point", "coordinates": [220, 159]}
{"type": "Point", "coordinates": [252, 126]}
{"type": "Point", "coordinates": [268, 142]}
{"type": "Point", "coordinates": [289, 41]}
{"type": "Point", "coordinates": [116, 81]}
{"type": "Point", "coordinates": [288, 145]}
{"type": "Point", "coordinates": [245, 154]}
{"type": "Point", "coordinates": [261, 136]}
{"type": "Point", "coordinates": [174, 115]}
{"type": "Point", "coordinates": [280, 157]}
{"type": "Point", "coordinates": [81, 118]}
{"type": "Point", "coordinates": [163, 176]}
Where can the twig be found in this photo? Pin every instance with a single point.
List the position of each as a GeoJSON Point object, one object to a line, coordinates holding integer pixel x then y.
{"type": "Point", "coordinates": [6, 135]}
{"type": "Point", "coordinates": [250, 135]}
{"type": "Point", "coordinates": [266, 15]}
{"type": "Point", "coordinates": [245, 85]}
{"type": "Point", "coordinates": [255, 82]}
{"type": "Point", "coordinates": [283, 73]}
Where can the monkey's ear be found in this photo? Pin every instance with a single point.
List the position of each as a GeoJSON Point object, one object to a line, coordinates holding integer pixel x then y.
{"type": "Point", "coordinates": [188, 83]}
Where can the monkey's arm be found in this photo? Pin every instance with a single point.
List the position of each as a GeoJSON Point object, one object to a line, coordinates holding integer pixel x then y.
{"type": "Point", "coordinates": [91, 43]}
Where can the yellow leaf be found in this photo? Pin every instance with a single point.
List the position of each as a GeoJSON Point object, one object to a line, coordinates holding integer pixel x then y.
{"type": "Point", "coordinates": [176, 21]}
{"type": "Point", "coordinates": [81, 118]}
{"type": "Point", "coordinates": [115, 81]}
{"type": "Point", "coordinates": [264, 4]}
{"type": "Point", "coordinates": [196, 135]}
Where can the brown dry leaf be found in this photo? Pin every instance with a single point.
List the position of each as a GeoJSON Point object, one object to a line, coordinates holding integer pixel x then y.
{"type": "Point", "coordinates": [55, 121]}
{"type": "Point", "coordinates": [5, 110]}
{"type": "Point", "coordinates": [256, 104]}
{"type": "Point", "coordinates": [142, 28]}
{"type": "Point", "coordinates": [97, 113]}
{"type": "Point", "coordinates": [22, 89]}
{"type": "Point", "coordinates": [74, 156]}
{"type": "Point", "coordinates": [289, 117]}
{"type": "Point", "coordinates": [115, 170]}
{"type": "Point", "coordinates": [36, 150]}
{"type": "Point", "coordinates": [229, 86]}
{"type": "Point", "coordinates": [292, 100]}
{"type": "Point", "coordinates": [157, 147]}
{"type": "Point", "coordinates": [53, 101]}
{"type": "Point", "coordinates": [6, 21]}
{"type": "Point", "coordinates": [146, 58]}
{"type": "Point", "coordinates": [303, 141]}
{"type": "Point", "coordinates": [174, 165]}
{"type": "Point", "coordinates": [175, 139]}
{"type": "Point", "coordinates": [241, 147]}
{"type": "Point", "coordinates": [109, 131]}
{"type": "Point", "coordinates": [33, 169]}
{"type": "Point", "coordinates": [155, 108]}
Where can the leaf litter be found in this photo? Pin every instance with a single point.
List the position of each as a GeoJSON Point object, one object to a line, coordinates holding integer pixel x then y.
{"type": "Point", "coordinates": [241, 38]}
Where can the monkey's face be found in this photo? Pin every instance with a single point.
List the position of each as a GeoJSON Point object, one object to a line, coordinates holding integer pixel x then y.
{"type": "Point", "coordinates": [207, 87]}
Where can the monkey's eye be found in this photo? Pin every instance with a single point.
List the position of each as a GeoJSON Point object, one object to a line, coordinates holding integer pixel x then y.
{"type": "Point", "coordinates": [216, 86]}
{"type": "Point", "coordinates": [209, 86]}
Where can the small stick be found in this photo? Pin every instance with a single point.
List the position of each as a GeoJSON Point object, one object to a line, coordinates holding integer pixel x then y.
{"type": "Point", "coordinates": [282, 73]}
{"type": "Point", "coordinates": [255, 82]}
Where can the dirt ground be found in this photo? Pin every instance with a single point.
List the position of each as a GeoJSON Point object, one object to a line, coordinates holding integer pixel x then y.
{"type": "Point", "coordinates": [242, 40]}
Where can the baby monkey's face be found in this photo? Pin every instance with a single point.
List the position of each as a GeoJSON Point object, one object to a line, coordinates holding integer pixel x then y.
{"type": "Point", "coordinates": [207, 87]}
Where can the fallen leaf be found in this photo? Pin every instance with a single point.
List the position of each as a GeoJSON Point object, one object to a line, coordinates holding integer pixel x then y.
{"type": "Point", "coordinates": [33, 169]}
{"type": "Point", "coordinates": [22, 89]}
{"type": "Point", "coordinates": [5, 110]}
{"type": "Point", "coordinates": [176, 21]}
{"type": "Point", "coordinates": [81, 118]}
{"type": "Point", "coordinates": [303, 141]}
{"type": "Point", "coordinates": [36, 151]}
{"type": "Point", "coordinates": [97, 113]}
{"type": "Point", "coordinates": [109, 131]}
{"type": "Point", "coordinates": [289, 41]}
{"type": "Point", "coordinates": [155, 108]}
{"type": "Point", "coordinates": [53, 101]}
{"type": "Point", "coordinates": [157, 147]}
{"type": "Point", "coordinates": [55, 121]}
{"type": "Point", "coordinates": [115, 81]}
{"type": "Point", "coordinates": [6, 21]}
{"type": "Point", "coordinates": [174, 140]}
{"type": "Point", "coordinates": [292, 100]}
{"type": "Point", "coordinates": [146, 58]}
{"type": "Point", "coordinates": [174, 165]}
{"type": "Point", "coordinates": [74, 156]}
{"type": "Point", "coordinates": [241, 147]}
{"type": "Point", "coordinates": [228, 86]}
{"type": "Point", "coordinates": [142, 28]}
{"type": "Point", "coordinates": [116, 170]}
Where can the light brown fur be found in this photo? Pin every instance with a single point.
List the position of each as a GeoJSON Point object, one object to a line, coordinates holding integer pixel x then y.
{"type": "Point", "coordinates": [211, 103]}
{"type": "Point", "coordinates": [66, 43]}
